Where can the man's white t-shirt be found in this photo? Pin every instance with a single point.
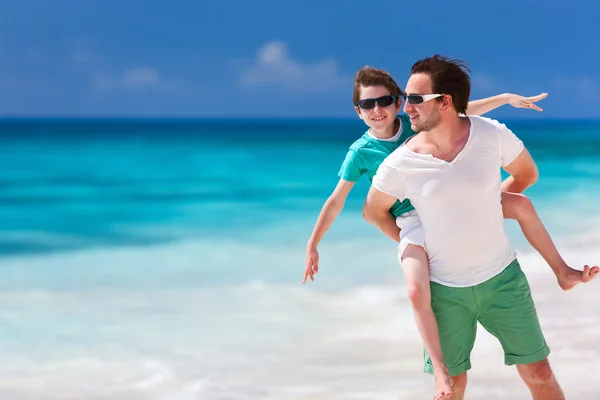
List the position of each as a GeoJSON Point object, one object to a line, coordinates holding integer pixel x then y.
{"type": "Point", "coordinates": [458, 202]}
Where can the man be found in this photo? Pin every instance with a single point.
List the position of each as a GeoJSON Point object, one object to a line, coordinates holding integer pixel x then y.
{"type": "Point", "coordinates": [450, 172]}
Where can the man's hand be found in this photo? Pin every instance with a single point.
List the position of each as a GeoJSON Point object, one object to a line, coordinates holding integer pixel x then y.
{"type": "Point", "coordinates": [526, 102]}
{"type": "Point", "coordinates": [312, 264]}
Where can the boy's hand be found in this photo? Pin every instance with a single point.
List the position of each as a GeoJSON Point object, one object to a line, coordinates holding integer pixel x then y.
{"type": "Point", "coordinates": [526, 102]}
{"type": "Point", "coordinates": [312, 264]}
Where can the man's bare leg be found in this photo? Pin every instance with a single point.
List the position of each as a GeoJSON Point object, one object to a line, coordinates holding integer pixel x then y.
{"type": "Point", "coordinates": [541, 381]}
{"type": "Point", "coordinates": [459, 385]}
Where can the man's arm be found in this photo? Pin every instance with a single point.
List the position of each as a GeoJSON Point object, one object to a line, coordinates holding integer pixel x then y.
{"type": "Point", "coordinates": [523, 173]}
{"type": "Point", "coordinates": [376, 211]}
{"type": "Point", "coordinates": [483, 106]}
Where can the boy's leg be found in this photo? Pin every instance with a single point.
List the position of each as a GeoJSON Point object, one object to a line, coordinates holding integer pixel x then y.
{"type": "Point", "coordinates": [416, 275]}
{"type": "Point", "coordinates": [519, 207]}
{"type": "Point", "coordinates": [508, 312]}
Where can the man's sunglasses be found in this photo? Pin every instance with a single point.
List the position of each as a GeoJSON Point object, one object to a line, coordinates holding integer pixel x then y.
{"type": "Point", "coordinates": [420, 98]}
{"type": "Point", "coordinates": [383, 101]}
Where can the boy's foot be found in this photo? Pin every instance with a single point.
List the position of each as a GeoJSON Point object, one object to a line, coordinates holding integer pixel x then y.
{"type": "Point", "coordinates": [443, 385]}
{"type": "Point", "coordinates": [573, 277]}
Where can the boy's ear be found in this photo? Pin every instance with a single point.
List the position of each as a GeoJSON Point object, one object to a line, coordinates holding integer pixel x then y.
{"type": "Point", "coordinates": [357, 109]}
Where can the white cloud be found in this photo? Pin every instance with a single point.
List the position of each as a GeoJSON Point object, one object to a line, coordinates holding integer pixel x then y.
{"type": "Point", "coordinates": [140, 77]}
{"type": "Point", "coordinates": [109, 79]}
{"type": "Point", "coordinates": [272, 65]}
{"type": "Point", "coordinates": [583, 85]}
{"type": "Point", "coordinates": [82, 54]}
{"type": "Point", "coordinates": [132, 79]}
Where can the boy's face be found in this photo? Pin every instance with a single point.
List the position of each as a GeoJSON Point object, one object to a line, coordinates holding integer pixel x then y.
{"type": "Point", "coordinates": [377, 118]}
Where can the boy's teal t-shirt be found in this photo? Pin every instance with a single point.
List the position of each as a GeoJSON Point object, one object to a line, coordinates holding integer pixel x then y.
{"type": "Point", "coordinates": [365, 155]}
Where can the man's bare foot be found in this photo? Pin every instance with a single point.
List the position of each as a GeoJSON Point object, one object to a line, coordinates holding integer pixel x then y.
{"type": "Point", "coordinates": [443, 384]}
{"type": "Point", "coordinates": [574, 277]}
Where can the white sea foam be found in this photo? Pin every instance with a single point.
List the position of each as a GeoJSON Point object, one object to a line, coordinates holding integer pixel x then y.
{"type": "Point", "coordinates": [230, 320]}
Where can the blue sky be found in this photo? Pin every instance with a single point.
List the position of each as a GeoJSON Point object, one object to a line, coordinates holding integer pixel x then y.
{"type": "Point", "coordinates": [266, 58]}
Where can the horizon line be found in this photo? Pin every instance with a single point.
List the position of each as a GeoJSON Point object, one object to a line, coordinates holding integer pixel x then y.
{"type": "Point", "coordinates": [248, 118]}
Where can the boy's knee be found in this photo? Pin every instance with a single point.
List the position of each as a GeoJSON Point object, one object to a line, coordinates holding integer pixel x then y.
{"type": "Point", "coordinates": [523, 207]}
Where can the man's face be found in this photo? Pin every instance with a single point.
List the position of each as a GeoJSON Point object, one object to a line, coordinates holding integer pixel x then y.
{"type": "Point", "coordinates": [424, 116]}
{"type": "Point", "coordinates": [378, 118]}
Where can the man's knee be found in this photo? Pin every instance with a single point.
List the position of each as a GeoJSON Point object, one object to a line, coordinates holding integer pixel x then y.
{"type": "Point", "coordinates": [537, 373]}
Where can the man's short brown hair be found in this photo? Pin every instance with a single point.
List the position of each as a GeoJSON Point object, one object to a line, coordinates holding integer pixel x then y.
{"type": "Point", "coordinates": [449, 77]}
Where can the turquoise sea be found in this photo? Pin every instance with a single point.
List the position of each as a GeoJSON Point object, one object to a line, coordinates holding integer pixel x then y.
{"type": "Point", "coordinates": [162, 259]}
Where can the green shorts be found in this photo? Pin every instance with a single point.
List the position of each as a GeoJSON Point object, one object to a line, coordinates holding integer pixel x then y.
{"type": "Point", "coordinates": [504, 307]}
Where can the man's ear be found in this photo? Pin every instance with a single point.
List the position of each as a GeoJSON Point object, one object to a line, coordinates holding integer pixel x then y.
{"type": "Point", "coordinates": [446, 102]}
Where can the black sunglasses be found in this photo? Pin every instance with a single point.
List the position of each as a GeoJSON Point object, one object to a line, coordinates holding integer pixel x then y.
{"type": "Point", "coordinates": [420, 98]}
{"type": "Point", "coordinates": [383, 101]}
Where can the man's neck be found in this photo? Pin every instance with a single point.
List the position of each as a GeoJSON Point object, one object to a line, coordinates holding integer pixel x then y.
{"type": "Point", "coordinates": [449, 133]}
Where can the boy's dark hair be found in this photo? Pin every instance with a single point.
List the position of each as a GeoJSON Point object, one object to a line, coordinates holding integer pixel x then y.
{"type": "Point", "coordinates": [369, 76]}
{"type": "Point", "coordinates": [449, 77]}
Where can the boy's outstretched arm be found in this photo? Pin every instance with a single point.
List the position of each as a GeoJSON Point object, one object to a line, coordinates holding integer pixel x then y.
{"type": "Point", "coordinates": [483, 106]}
{"type": "Point", "coordinates": [331, 209]}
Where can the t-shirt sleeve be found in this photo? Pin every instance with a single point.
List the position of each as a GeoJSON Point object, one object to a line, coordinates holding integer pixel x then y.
{"type": "Point", "coordinates": [510, 145]}
{"type": "Point", "coordinates": [390, 180]}
{"type": "Point", "coordinates": [352, 168]}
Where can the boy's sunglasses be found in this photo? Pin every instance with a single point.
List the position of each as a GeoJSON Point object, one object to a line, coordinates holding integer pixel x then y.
{"type": "Point", "coordinates": [420, 98]}
{"type": "Point", "coordinates": [383, 101]}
